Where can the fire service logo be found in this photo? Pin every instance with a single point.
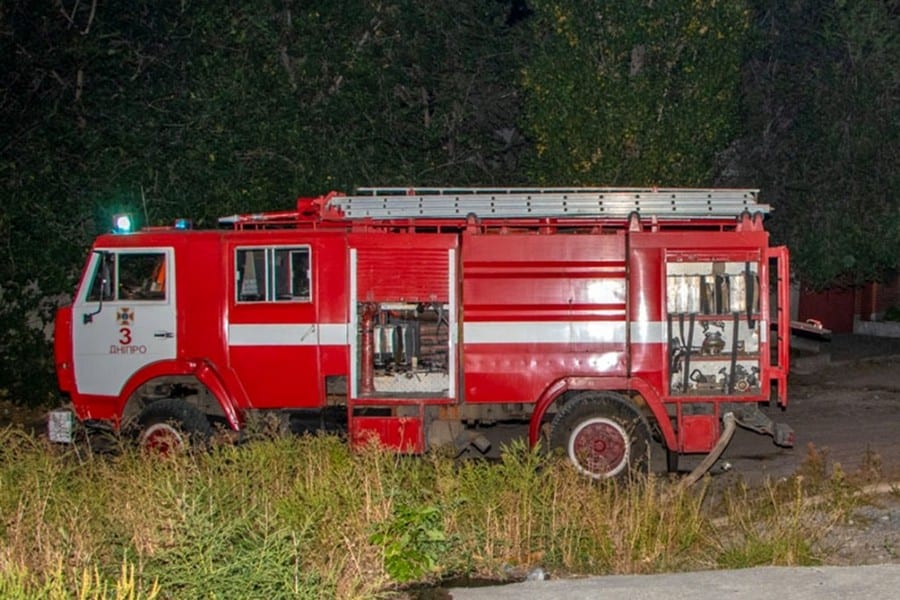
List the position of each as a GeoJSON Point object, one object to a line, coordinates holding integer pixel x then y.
{"type": "Point", "coordinates": [126, 345]}
{"type": "Point", "coordinates": [125, 316]}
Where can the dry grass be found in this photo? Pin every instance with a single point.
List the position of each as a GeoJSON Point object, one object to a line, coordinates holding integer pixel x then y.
{"type": "Point", "coordinates": [305, 517]}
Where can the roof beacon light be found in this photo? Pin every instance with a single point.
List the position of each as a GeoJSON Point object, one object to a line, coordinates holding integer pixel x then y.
{"type": "Point", "coordinates": [183, 223]}
{"type": "Point", "coordinates": [122, 223]}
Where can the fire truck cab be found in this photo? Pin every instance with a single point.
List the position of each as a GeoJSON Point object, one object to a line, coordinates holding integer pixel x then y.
{"type": "Point", "coordinates": [605, 321]}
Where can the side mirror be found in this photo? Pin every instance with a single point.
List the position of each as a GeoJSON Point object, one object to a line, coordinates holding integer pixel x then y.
{"type": "Point", "coordinates": [105, 286]}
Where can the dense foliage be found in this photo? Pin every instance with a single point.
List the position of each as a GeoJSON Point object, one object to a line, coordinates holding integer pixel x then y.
{"type": "Point", "coordinates": [195, 109]}
{"type": "Point", "coordinates": [824, 134]}
{"type": "Point", "coordinates": [633, 93]}
{"type": "Point", "coordinates": [172, 109]}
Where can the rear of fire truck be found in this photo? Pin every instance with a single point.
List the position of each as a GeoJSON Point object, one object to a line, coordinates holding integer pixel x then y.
{"type": "Point", "coordinates": [724, 319]}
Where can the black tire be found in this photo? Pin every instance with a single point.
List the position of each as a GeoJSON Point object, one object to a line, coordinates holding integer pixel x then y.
{"type": "Point", "coordinates": [602, 434]}
{"type": "Point", "coordinates": [170, 426]}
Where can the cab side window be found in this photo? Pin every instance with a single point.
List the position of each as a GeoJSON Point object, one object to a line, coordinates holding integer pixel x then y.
{"type": "Point", "coordinates": [129, 276]}
{"type": "Point", "coordinates": [275, 274]}
{"type": "Point", "coordinates": [292, 274]}
{"type": "Point", "coordinates": [251, 275]}
{"type": "Point", "coordinates": [142, 276]}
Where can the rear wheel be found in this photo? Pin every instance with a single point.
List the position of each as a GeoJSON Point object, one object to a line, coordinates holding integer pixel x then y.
{"type": "Point", "coordinates": [171, 426]}
{"type": "Point", "coordinates": [602, 434]}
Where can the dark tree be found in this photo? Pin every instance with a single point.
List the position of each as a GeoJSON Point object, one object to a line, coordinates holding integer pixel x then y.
{"type": "Point", "coordinates": [168, 109]}
{"type": "Point", "coordinates": [633, 93]}
{"type": "Point", "coordinates": [821, 96]}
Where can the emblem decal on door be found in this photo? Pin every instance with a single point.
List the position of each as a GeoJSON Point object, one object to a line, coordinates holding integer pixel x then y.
{"type": "Point", "coordinates": [125, 316]}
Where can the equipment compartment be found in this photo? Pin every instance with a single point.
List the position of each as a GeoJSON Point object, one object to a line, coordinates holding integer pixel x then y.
{"type": "Point", "coordinates": [713, 328]}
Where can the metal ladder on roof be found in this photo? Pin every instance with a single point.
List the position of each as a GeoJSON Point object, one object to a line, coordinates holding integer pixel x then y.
{"type": "Point", "coordinates": [508, 203]}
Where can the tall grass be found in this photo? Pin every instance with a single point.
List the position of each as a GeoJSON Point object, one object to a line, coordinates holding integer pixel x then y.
{"type": "Point", "coordinates": [305, 517]}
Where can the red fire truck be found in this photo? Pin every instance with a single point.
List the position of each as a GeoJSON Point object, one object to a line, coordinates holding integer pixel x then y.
{"type": "Point", "coordinates": [604, 321]}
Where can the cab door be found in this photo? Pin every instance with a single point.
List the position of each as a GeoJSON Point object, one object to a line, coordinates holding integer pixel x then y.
{"type": "Point", "coordinates": [123, 317]}
{"type": "Point", "coordinates": [273, 329]}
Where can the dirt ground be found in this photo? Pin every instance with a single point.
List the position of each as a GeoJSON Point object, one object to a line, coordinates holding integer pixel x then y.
{"type": "Point", "coordinates": [847, 411]}
{"type": "Point", "coordinates": [844, 406]}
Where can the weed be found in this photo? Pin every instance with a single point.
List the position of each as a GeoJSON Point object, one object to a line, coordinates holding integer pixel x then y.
{"type": "Point", "coordinates": [19, 584]}
{"type": "Point", "coordinates": [774, 525]}
{"type": "Point", "coordinates": [306, 517]}
{"type": "Point", "coordinates": [413, 540]}
{"type": "Point", "coordinates": [871, 469]}
{"type": "Point", "coordinates": [814, 468]}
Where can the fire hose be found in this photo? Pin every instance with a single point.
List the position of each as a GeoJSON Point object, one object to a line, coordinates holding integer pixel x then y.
{"type": "Point", "coordinates": [710, 459]}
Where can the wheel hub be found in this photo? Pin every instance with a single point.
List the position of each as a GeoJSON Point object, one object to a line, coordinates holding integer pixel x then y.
{"type": "Point", "coordinates": [162, 439]}
{"type": "Point", "coordinates": [599, 447]}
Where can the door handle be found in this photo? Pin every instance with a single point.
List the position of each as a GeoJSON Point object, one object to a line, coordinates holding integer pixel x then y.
{"type": "Point", "coordinates": [164, 334]}
{"type": "Point", "coordinates": [309, 332]}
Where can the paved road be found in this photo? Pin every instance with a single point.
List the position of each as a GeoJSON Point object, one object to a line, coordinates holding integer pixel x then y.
{"type": "Point", "coordinates": [874, 582]}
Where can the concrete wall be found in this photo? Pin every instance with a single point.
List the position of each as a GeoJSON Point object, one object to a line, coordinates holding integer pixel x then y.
{"type": "Point", "coordinates": [877, 328]}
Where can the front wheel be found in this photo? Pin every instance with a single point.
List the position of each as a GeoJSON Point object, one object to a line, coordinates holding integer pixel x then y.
{"type": "Point", "coordinates": [171, 426]}
{"type": "Point", "coordinates": [602, 434]}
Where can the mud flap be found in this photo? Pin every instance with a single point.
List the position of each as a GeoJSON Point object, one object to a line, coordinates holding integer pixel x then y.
{"type": "Point", "coordinates": [784, 435]}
